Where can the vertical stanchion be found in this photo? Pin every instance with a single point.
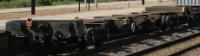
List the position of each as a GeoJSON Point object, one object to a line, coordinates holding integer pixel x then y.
{"type": "Point", "coordinates": [195, 2]}
{"type": "Point", "coordinates": [88, 1]}
{"type": "Point", "coordinates": [143, 2]}
{"type": "Point", "coordinates": [129, 3]}
{"type": "Point", "coordinates": [85, 2]}
{"type": "Point", "coordinates": [161, 1]}
{"type": "Point", "coordinates": [32, 7]}
{"type": "Point", "coordinates": [79, 5]}
{"type": "Point", "coordinates": [177, 2]}
{"type": "Point", "coordinates": [96, 3]}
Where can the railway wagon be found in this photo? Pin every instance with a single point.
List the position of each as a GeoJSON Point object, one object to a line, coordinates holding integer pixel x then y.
{"type": "Point", "coordinates": [59, 33]}
{"type": "Point", "coordinates": [68, 33]}
{"type": "Point", "coordinates": [191, 10]}
{"type": "Point", "coordinates": [190, 14]}
{"type": "Point", "coordinates": [81, 33]}
{"type": "Point", "coordinates": [108, 27]}
{"type": "Point", "coordinates": [163, 19]}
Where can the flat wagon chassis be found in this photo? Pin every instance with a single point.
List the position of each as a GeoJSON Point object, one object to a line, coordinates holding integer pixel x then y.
{"type": "Point", "coordinates": [81, 33]}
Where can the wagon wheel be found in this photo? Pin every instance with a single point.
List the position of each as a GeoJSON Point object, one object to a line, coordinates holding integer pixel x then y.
{"type": "Point", "coordinates": [96, 42]}
{"type": "Point", "coordinates": [133, 27]}
{"type": "Point", "coordinates": [57, 36]}
{"type": "Point", "coordinates": [43, 34]}
{"type": "Point", "coordinates": [83, 44]}
{"type": "Point", "coordinates": [174, 21]}
{"type": "Point", "coordinates": [190, 20]}
{"type": "Point", "coordinates": [88, 36]}
{"type": "Point", "coordinates": [162, 23]}
{"type": "Point", "coordinates": [92, 38]}
{"type": "Point", "coordinates": [194, 21]}
{"type": "Point", "coordinates": [170, 23]}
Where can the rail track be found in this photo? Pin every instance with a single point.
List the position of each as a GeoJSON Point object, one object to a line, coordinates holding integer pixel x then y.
{"type": "Point", "coordinates": [190, 51]}
{"type": "Point", "coordinates": [173, 48]}
{"type": "Point", "coordinates": [186, 50]}
{"type": "Point", "coordinates": [132, 39]}
{"type": "Point", "coordinates": [118, 43]}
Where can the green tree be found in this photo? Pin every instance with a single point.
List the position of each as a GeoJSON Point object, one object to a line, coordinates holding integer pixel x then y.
{"type": "Point", "coordinates": [46, 2]}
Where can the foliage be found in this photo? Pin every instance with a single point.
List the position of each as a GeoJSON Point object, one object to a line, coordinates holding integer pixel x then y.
{"type": "Point", "coordinates": [14, 4]}
{"type": "Point", "coordinates": [27, 3]}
